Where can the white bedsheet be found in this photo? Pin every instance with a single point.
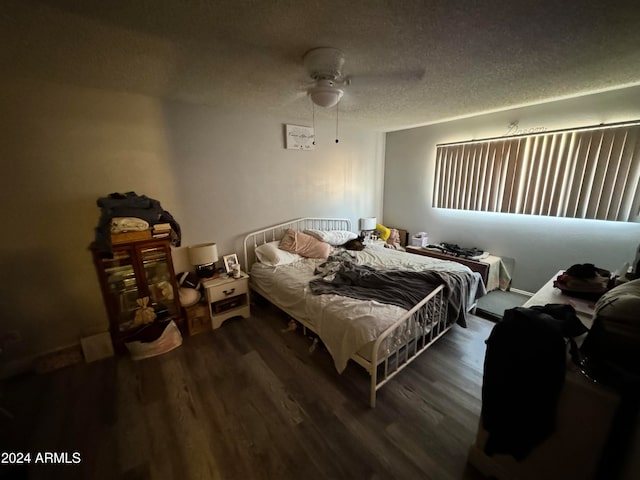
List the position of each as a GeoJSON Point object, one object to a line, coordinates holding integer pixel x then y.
{"type": "Point", "coordinates": [344, 324]}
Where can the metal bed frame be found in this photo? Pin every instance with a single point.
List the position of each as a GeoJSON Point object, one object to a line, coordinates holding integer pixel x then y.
{"type": "Point", "coordinates": [388, 355]}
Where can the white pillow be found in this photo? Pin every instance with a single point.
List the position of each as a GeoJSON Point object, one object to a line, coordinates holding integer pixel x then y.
{"type": "Point", "coordinates": [332, 237]}
{"type": "Point", "coordinates": [270, 254]}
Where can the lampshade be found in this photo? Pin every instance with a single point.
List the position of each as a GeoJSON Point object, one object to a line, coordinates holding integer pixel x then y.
{"type": "Point", "coordinates": [368, 223]}
{"type": "Point", "coordinates": [325, 95]}
{"type": "Point", "coordinates": [203, 254]}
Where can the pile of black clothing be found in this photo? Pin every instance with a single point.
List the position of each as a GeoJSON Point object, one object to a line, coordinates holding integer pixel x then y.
{"type": "Point", "coordinates": [524, 373]}
{"type": "Point", "coordinates": [525, 366]}
{"type": "Point", "coordinates": [132, 205]}
{"type": "Point", "coordinates": [457, 251]}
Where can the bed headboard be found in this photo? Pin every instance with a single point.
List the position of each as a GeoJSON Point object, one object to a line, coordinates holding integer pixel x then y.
{"type": "Point", "coordinates": [276, 232]}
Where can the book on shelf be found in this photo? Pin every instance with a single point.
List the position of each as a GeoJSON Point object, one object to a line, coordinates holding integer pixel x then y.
{"type": "Point", "coordinates": [162, 228]}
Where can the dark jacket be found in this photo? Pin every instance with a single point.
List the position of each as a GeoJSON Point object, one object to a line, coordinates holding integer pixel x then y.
{"type": "Point", "coordinates": [524, 373]}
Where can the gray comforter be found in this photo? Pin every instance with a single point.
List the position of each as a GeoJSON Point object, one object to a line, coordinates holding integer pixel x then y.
{"type": "Point", "coordinates": [340, 276]}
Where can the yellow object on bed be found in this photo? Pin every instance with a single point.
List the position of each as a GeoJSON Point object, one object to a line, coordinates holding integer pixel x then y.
{"type": "Point", "coordinates": [383, 232]}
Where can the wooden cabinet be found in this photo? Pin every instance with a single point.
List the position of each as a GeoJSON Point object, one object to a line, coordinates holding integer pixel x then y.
{"type": "Point", "coordinates": [135, 270]}
{"type": "Point", "coordinates": [475, 266]}
{"type": "Point", "coordinates": [227, 297]}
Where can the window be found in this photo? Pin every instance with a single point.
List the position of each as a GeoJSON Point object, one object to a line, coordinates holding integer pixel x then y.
{"type": "Point", "coordinates": [583, 173]}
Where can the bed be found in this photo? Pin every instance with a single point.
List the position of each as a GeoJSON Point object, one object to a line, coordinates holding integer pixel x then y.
{"type": "Point", "coordinates": [381, 337]}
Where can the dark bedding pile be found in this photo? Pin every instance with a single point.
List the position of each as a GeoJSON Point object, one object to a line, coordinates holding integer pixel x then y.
{"type": "Point", "coordinates": [340, 276]}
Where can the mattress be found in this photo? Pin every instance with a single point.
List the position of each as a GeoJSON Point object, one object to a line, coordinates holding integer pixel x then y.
{"type": "Point", "coordinates": [345, 325]}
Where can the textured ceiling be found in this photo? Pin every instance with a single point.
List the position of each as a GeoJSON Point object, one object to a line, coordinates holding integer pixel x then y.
{"type": "Point", "coordinates": [478, 56]}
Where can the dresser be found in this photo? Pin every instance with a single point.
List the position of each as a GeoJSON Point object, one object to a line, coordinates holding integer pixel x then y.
{"type": "Point", "coordinates": [476, 266]}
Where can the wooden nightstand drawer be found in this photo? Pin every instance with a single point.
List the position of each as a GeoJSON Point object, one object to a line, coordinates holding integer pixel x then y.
{"type": "Point", "coordinates": [227, 290]}
{"type": "Point", "coordinates": [229, 304]}
{"type": "Point", "coordinates": [228, 297]}
{"type": "Point", "coordinates": [198, 318]}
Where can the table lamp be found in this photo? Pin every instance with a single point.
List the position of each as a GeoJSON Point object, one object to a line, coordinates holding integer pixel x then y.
{"type": "Point", "coordinates": [204, 257]}
{"type": "Point", "coordinates": [367, 226]}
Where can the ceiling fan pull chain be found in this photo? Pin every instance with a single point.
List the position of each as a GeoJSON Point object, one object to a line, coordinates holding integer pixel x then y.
{"type": "Point", "coordinates": [337, 117]}
{"type": "Point", "coordinates": [313, 110]}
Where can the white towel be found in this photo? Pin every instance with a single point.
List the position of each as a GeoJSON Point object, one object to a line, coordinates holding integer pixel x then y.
{"type": "Point", "coordinates": [128, 224]}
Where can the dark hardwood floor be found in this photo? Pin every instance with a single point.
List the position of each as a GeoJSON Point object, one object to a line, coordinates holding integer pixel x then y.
{"type": "Point", "coordinates": [249, 401]}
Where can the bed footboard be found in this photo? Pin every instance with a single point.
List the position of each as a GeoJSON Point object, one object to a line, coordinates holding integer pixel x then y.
{"type": "Point", "coordinates": [406, 339]}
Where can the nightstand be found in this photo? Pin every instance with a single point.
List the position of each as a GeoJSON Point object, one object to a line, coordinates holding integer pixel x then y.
{"type": "Point", "coordinates": [227, 297]}
{"type": "Point", "coordinates": [197, 318]}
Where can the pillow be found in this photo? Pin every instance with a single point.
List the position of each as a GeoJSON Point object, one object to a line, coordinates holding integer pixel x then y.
{"type": "Point", "coordinates": [394, 237]}
{"type": "Point", "coordinates": [332, 237]}
{"type": "Point", "coordinates": [383, 232]}
{"type": "Point", "coordinates": [305, 245]}
{"type": "Point", "coordinates": [270, 254]}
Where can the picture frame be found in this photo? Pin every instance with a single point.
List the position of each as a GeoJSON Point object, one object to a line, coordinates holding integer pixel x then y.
{"type": "Point", "coordinates": [230, 261]}
{"type": "Point", "coordinates": [299, 137]}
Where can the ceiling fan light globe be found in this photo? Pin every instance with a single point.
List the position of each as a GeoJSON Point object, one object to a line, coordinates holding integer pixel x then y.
{"type": "Point", "coordinates": [325, 96]}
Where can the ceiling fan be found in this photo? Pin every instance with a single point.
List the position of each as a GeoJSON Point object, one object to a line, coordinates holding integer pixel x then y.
{"type": "Point", "coordinates": [324, 66]}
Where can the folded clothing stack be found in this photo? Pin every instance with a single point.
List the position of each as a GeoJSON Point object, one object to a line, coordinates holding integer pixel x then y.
{"type": "Point", "coordinates": [131, 205]}
{"type": "Point", "coordinates": [128, 224]}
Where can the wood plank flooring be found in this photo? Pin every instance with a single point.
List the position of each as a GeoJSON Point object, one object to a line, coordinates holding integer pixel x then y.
{"type": "Point", "coordinates": [249, 401]}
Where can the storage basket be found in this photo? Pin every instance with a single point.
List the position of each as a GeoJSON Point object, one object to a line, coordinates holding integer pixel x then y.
{"type": "Point", "coordinates": [170, 339]}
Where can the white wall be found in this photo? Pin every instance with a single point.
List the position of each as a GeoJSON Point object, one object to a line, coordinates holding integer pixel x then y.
{"type": "Point", "coordinates": [235, 175]}
{"type": "Point", "coordinates": [220, 174]}
{"type": "Point", "coordinates": [541, 246]}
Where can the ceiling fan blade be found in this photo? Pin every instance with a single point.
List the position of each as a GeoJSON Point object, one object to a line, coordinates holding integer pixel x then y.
{"type": "Point", "coordinates": [295, 97]}
{"type": "Point", "coordinates": [303, 86]}
{"type": "Point", "coordinates": [323, 66]}
{"type": "Point", "coordinates": [377, 79]}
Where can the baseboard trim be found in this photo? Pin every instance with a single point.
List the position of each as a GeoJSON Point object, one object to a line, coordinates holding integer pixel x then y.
{"type": "Point", "coordinates": [492, 317]}
{"type": "Point", "coordinates": [43, 362]}
{"type": "Point", "coordinates": [65, 357]}
{"type": "Point", "coordinates": [521, 292]}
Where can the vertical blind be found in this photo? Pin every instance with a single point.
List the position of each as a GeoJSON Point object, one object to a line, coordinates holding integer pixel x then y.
{"type": "Point", "coordinates": [590, 173]}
